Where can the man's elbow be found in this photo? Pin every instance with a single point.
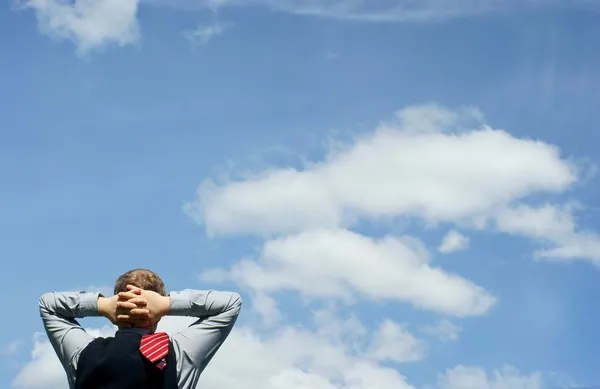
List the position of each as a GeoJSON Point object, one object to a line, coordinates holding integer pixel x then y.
{"type": "Point", "coordinates": [235, 303]}
{"type": "Point", "coordinates": [45, 302]}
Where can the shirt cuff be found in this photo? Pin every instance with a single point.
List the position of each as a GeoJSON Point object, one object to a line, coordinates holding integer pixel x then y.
{"type": "Point", "coordinates": [88, 304]}
{"type": "Point", "coordinates": [180, 303]}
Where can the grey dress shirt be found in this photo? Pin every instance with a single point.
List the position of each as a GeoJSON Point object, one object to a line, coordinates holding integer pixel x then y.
{"type": "Point", "coordinates": [194, 346]}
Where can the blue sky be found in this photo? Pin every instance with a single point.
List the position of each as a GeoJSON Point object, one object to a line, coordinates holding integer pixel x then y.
{"type": "Point", "coordinates": [323, 130]}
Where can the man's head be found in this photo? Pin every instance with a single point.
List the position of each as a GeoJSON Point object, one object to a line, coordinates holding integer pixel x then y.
{"type": "Point", "coordinates": [143, 279]}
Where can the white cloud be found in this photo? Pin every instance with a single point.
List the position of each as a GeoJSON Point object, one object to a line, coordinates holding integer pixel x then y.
{"type": "Point", "coordinates": [348, 331]}
{"type": "Point", "coordinates": [90, 24]}
{"type": "Point", "coordinates": [432, 163]}
{"type": "Point", "coordinates": [468, 377]}
{"type": "Point", "coordinates": [380, 10]}
{"type": "Point", "coordinates": [336, 356]}
{"type": "Point", "coordinates": [410, 10]}
{"type": "Point", "coordinates": [44, 371]}
{"type": "Point", "coordinates": [202, 34]}
{"type": "Point", "coordinates": [453, 241]}
{"type": "Point", "coordinates": [172, 324]}
{"type": "Point", "coordinates": [266, 307]}
{"type": "Point", "coordinates": [290, 358]}
{"type": "Point", "coordinates": [553, 225]}
{"type": "Point", "coordinates": [411, 167]}
{"type": "Point", "coordinates": [389, 10]}
{"type": "Point", "coordinates": [444, 330]}
{"type": "Point", "coordinates": [93, 24]}
{"type": "Point", "coordinates": [295, 359]}
{"type": "Point", "coordinates": [336, 263]}
{"type": "Point", "coordinates": [393, 342]}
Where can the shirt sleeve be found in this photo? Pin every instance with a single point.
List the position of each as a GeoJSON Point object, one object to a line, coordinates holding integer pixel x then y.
{"type": "Point", "coordinates": [68, 338]}
{"type": "Point", "coordinates": [196, 345]}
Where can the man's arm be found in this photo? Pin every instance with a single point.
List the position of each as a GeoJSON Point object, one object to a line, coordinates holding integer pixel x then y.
{"type": "Point", "coordinates": [59, 311]}
{"type": "Point", "coordinates": [217, 312]}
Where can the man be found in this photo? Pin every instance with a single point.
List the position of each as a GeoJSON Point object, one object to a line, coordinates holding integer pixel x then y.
{"type": "Point", "coordinates": [138, 304]}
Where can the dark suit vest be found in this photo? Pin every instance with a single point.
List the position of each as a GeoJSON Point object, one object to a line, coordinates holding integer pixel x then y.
{"type": "Point", "coordinates": [116, 363]}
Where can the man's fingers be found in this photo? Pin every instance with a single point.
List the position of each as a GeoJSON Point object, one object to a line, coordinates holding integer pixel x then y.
{"type": "Point", "coordinates": [132, 304]}
{"type": "Point", "coordinates": [126, 305]}
{"type": "Point", "coordinates": [125, 296]}
{"type": "Point", "coordinates": [133, 319]}
{"type": "Point", "coordinates": [139, 301]}
{"type": "Point", "coordinates": [133, 292]}
{"type": "Point", "coordinates": [134, 313]}
{"type": "Point", "coordinates": [139, 312]}
{"type": "Point", "coordinates": [131, 307]}
{"type": "Point", "coordinates": [134, 289]}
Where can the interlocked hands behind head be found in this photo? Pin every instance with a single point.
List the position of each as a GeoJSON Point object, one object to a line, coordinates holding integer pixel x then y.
{"type": "Point", "coordinates": [136, 308]}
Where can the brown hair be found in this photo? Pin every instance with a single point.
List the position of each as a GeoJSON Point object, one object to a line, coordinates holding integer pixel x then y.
{"type": "Point", "coordinates": [142, 278]}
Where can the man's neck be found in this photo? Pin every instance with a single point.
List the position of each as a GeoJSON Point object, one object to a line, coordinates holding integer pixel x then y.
{"type": "Point", "coordinates": [142, 330]}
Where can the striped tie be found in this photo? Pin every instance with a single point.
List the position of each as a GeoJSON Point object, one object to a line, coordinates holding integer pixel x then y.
{"type": "Point", "coordinates": [155, 347]}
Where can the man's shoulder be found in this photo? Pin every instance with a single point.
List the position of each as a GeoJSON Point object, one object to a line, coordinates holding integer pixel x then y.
{"type": "Point", "coordinates": [99, 342]}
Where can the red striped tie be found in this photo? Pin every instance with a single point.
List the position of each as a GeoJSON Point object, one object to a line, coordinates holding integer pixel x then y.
{"type": "Point", "coordinates": [155, 347]}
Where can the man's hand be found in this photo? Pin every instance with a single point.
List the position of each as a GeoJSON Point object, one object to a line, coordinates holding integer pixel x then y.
{"type": "Point", "coordinates": [137, 305]}
{"type": "Point", "coordinates": [109, 308]}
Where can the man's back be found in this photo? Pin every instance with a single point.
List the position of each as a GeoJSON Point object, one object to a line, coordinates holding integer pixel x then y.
{"type": "Point", "coordinates": [116, 363]}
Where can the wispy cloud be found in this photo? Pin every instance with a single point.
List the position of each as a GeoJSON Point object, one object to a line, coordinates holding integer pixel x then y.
{"type": "Point", "coordinates": [467, 377]}
{"type": "Point", "coordinates": [201, 35]}
{"type": "Point", "coordinates": [89, 24]}
{"type": "Point", "coordinates": [392, 10]}
{"type": "Point", "coordinates": [444, 330]}
{"type": "Point", "coordinates": [95, 24]}
{"type": "Point", "coordinates": [11, 348]}
{"type": "Point", "coordinates": [453, 241]}
{"type": "Point", "coordinates": [381, 11]}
